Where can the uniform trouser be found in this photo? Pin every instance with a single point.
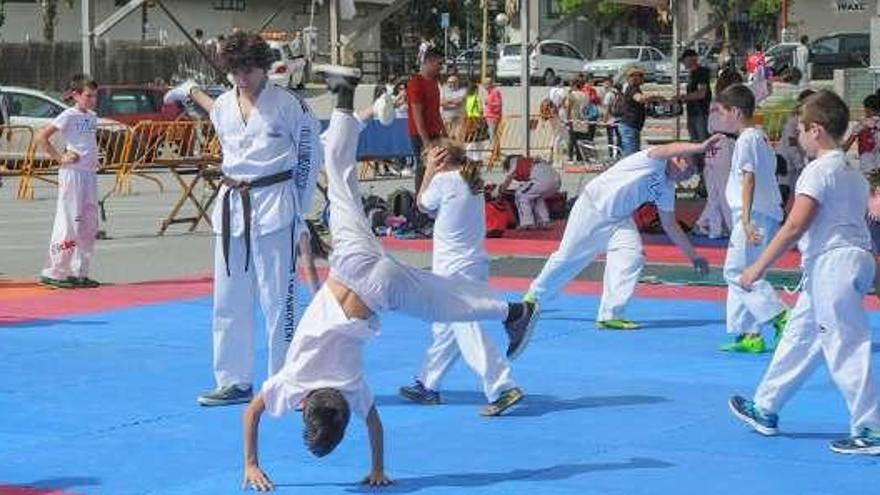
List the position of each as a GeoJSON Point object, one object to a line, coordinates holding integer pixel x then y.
{"type": "Point", "coordinates": [829, 319]}
{"type": "Point", "coordinates": [530, 201]}
{"type": "Point", "coordinates": [588, 234]}
{"type": "Point", "coordinates": [269, 281]}
{"type": "Point", "coordinates": [470, 341]}
{"type": "Point", "coordinates": [748, 310]}
{"type": "Point", "coordinates": [76, 225]}
{"type": "Point", "coordinates": [360, 262]}
{"type": "Point", "coordinates": [716, 214]}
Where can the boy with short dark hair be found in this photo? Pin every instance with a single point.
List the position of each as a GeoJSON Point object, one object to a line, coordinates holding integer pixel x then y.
{"type": "Point", "coordinates": [76, 217]}
{"type": "Point", "coordinates": [827, 222]}
{"type": "Point", "coordinates": [756, 206]}
{"type": "Point", "coordinates": [323, 370]}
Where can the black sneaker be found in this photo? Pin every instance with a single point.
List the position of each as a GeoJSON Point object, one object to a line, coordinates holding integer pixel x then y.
{"type": "Point", "coordinates": [418, 393]}
{"type": "Point", "coordinates": [226, 396]}
{"type": "Point", "coordinates": [338, 76]}
{"type": "Point", "coordinates": [520, 330]}
{"type": "Point", "coordinates": [867, 442]}
{"type": "Point", "coordinates": [507, 399]}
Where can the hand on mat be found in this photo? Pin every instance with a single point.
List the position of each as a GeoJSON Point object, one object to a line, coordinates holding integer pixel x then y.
{"type": "Point", "coordinates": [753, 235]}
{"type": "Point", "coordinates": [255, 478]}
{"type": "Point", "coordinates": [749, 276]}
{"type": "Point", "coordinates": [68, 157]}
{"type": "Point", "coordinates": [701, 265]}
{"type": "Point", "coordinates": [377, 478]}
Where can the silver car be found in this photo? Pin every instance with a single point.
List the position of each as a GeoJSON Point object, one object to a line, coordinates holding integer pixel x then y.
{"type": "Point", "coordinates": [619, 59]}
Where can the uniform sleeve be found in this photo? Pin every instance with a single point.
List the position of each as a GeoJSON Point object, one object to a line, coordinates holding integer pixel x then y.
{"type": "Point", "coordinates": [360, 400]}
{"type": "Point", "coordinates": [747, 158]}
{"type": "Point", "coordinates": [281, 396]}
{"type": "Point", "coordinates": [432, 196]}
{"type": "Point", "coordinates": [306, 129]}
{"type": "Point", "coordinates": [811, 184]}
{"type": "Point", "coordinates": [666, 200]}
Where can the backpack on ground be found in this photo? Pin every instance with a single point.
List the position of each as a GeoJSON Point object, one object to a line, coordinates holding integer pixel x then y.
{"type": "Point", "coordinates": [376, 210]}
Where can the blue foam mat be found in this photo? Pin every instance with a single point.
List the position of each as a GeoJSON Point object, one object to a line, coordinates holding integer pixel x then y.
{"type": "Point", "coordinates": [105, 403]}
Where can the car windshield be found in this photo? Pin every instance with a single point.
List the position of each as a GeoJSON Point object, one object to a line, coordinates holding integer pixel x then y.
{"type": "Point", "coordinates": [512, 50]}
{"type": "Point", "coordinates": [622, 52]}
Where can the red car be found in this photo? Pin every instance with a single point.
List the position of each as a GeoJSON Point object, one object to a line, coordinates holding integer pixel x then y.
{"type": "Point", "coordinates": [133, 103]}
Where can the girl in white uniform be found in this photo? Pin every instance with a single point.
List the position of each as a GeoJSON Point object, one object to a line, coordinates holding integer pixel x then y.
{"type": "Point", "coordinates": [755, 201]}
{"type": "Point", "coordinates": [76, 216]}
{"type": "Point", "coordinates": [271, 157]}
{"type": "Point", "coordinates": [827, 222]}
{"type": "Point", "coordinates": [531, 191]}
{"type": "Point", "coordinates": [452, 192]}
{"type": "Point", "coordinates": [601, 221]}
{"type": "Point", "coordinates": [324, 371]}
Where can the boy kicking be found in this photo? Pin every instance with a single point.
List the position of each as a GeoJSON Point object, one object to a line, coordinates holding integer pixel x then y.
{"type": "Point", "coordinates": [601, 221]}
{"type": "Point", "coordinates": [323, 370]}
{"type": "Point", "coordinates": [827, 222]}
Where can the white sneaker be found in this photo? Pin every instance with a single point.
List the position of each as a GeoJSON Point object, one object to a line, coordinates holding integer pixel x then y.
{"type": "Point", "coordinates": [383, 107]}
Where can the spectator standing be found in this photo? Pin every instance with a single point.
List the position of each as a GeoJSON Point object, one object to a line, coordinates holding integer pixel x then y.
{"type": "Point", "coordinates": [423, 110]}
{"type": "Point", "coordinates": [452, 97]}
{"type": "Point", "coordinates": [608, 98]}
{"type": "Point", "coordinates": [802, 60]}
{"type": "Point", "coordinates": [632, 119]}
{"type": "Point", "coordinates": [697, 96]}
{"type": "Point", "coordinates": [493, 108]}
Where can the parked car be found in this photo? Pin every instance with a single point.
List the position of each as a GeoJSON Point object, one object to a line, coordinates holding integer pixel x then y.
{"type": "Point", "coordinates": [827, 53]}
{"type": "Point", "coordinates": [133, 103]}
{"type": "Point", "coordinates": [286, 71]}
{"type": "Point", "coordinates": [619, 59]}
{"type": "Point", "coordinates": [35, 109]}
{"type": "Point", "coordinates": [547, 61]}
{"type": "Point", "coordinates": [468, 62]}
{"type": "Point", "coordinates": [839, 51]}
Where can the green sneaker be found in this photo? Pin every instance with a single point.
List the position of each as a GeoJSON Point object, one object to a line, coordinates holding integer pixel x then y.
{"type": "Point", "coordinates": [780, 321]}
{"type": "Point", "coordinates": [618, 324]}
{"type": "Point", "coordinates": [530, 297]}
{"type": "Point", "coordinates": [748, 344]}
{"type": "Point", "coordinates": [57, 283]}
{"type": "Point", "coordinates": [507, 399]}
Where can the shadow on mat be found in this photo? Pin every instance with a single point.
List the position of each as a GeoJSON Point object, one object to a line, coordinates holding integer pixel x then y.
{"type": "Point", "coordinates": [534, 404]}
{"type": "Point", "coordinates": [648, 324]}
{"type": "Point", "coordinates": [52, 323]}
{"type": "Point", "coordinates": [474, 480]}
{"type": "Point", "coordinates": [813, 436]}
{"type": "Point", "coordinates": [875, 347]}
{"type": "Point", "coordinates": [53, 484]}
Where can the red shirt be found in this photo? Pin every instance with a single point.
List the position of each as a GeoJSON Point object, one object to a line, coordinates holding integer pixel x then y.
{"type": "Point", "coordinates": [427, 92]}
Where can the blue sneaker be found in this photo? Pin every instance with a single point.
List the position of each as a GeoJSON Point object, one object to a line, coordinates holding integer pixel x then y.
{"type": "Point", "coordinates": [763, 422]}
{"type": "Point", "coordinates": [418, 393]}
{"type": "Point", "coordinates": [867, 442]}
{"type": "Point", "coordinates": [226, 396]}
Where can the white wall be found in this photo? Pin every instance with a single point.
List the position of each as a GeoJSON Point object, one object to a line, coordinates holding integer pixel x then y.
{"type": "Point", "coordinates": [815, 18]}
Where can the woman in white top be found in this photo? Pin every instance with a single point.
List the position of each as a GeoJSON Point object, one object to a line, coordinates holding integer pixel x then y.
{"type": "Point", "coordinates": [452, 192]}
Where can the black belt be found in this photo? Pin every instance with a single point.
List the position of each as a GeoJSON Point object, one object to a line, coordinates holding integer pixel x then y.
{"type": "Point", "coordinates": [243, 188]}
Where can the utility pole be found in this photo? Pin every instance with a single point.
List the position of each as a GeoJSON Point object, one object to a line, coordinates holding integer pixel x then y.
{"type": "Point", "coordinates": [485, 62]}
{"type": "Point", "coordinates": [524, 73]}
{"type": "Point", "coordinates": [87, 45]}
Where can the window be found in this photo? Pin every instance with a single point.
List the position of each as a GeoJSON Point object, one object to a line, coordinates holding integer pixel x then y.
{"type": "Point", "coordinates": [125, 102]}
{"type": "Point", "coordinates": [551, 50]}
{"type": "Point", "coordinates": [22, 105]}
{"type": "Point", "coordinates": [552, 9]}
{"type": "Point", "coordinates": [656, 55]}
{"type": "Point", "coordinates": [236, 5]}
{"type": "Point", "coordinates": [570, 52]}
{"type": "Point", "coordinates": [826, 46]}
{"type": "Point", "coordinates": [622, 52]}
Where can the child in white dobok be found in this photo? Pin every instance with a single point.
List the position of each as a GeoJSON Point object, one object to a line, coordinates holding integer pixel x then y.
{"type": "Point", "coordinates": [452, 192]}
{"type": "Point", "coordinates": [323, 371]}
{"type": "Point", "coordinates": [601, 222]}
{"type": "Point", "coordinates": [76, 216]}
{"type": "Point", "coordinates": [756, 204]}
{"type": "Point", "coordinates": [271, 155]}
{"type": "Point", "coordinates": [827, 221]}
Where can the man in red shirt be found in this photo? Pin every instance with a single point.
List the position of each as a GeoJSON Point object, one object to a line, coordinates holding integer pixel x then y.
{"type": "Point", "coordinates": [423, 109]}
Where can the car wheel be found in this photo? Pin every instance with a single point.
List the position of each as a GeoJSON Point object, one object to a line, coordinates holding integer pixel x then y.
{"type": "Point", "coordinates": [549, 78]}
